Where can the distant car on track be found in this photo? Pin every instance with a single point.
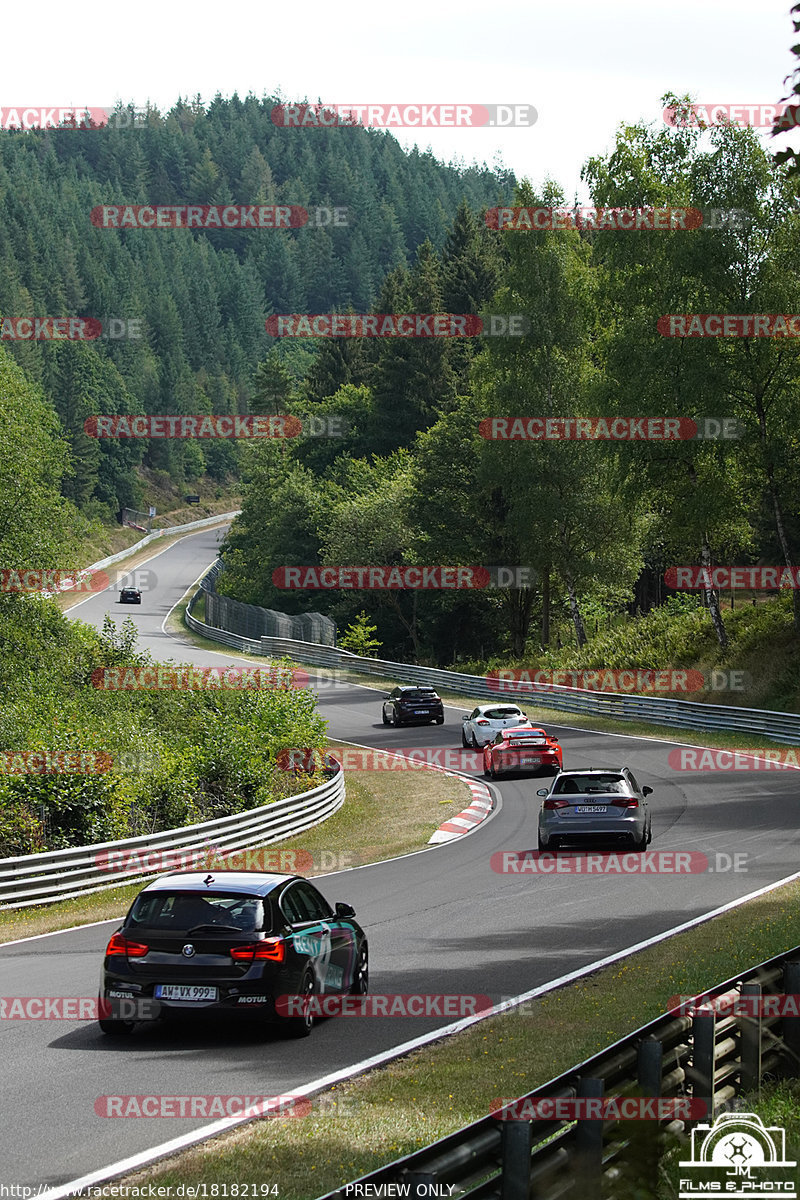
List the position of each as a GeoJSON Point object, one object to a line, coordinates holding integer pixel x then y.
{"type": "Point", "coordinates": [233, 942]}
{"type": "Point", "coordinates": [595, 803]}
{"type": "Point", "coordinates": [487, 720]}
{"type": "Point", "coordinates": [130, 596]}
{"type": "Point", "coordinates": [528, 751]}
{"type": "Point", "coordinates": [413, 705]}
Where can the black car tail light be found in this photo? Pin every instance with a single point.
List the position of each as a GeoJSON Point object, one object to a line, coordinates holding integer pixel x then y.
{"type": "Point", "coordinates": [120, 945]}
{"type": "Point", "coordinates": [273, 949]}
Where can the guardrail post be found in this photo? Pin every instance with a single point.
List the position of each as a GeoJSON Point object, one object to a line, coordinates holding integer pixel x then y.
{"type": "Point", "coordinates": [649, 1073]}
{"type": "Point", "coordinates": [425, 1179]}
{"type": "Point", "coordinates": [751, 1035]}
{"type": "Point", "coordinates": [649, 1070]}
{"type": "Point", "coordinates": [791, 1025]}
{"type": "Point", "coordinates": [515, 1180]}
{"type": "Point", "coordinates": [589, 1140]}
{"type": "Point", "coordinates": [704, 1044]}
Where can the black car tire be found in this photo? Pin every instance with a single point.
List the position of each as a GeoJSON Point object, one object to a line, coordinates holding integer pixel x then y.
{"type": "Point", "coordinates": [440, 720]}
{"type": "Point", "coordinates": [115, 1028]}
{"type": "Point", "coordinates": [298, 1027]}
{"type": "Point", "coordinates": [360, 984]}
{"type": "Point", "coordinates": [396, 721]}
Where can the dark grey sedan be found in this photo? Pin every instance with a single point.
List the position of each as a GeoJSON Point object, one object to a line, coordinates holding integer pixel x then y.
{"type": "Point", "coordinates": [594, 803]}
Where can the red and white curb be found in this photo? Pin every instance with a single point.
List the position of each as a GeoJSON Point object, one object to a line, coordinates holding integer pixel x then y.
{"type": "Point", "coordinates": [469, 818]}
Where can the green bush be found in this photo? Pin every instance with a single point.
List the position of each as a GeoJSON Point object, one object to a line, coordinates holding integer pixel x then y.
{"type": "Point", "coordinates": [165, 758]}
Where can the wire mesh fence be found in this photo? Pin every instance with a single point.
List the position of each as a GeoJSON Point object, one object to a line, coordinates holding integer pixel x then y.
{"type": "Point", "coordinates": [251, 621]}
{"type": "Point", "coordinates": [137, 520]}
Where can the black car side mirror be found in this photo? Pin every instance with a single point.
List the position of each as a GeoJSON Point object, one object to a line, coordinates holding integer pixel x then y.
{"type": "Point", "coordinates": [646, 791]}
{"type": "Point", "coordinates": [345, 910]}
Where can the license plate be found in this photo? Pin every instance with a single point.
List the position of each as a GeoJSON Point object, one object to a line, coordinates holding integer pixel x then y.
{"type": "Point", "coordinates": [584, 808]}
{"type": "Point", "coordinates": [531, 762]}
{"type": "Point", "coordinates": [181, 991]}
{"type": "Point", "coordinates": [420, 712]}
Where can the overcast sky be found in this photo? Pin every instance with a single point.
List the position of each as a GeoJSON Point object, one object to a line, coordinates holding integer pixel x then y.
{"type": "Point", "coordinates": [584, 67]}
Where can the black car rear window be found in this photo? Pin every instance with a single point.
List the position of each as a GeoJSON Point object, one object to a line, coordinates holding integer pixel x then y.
{"type": "Point", "coordinates": [181, 911]}
{"type": "Point", "coordinates": [589, 784]}
{"type": "Point", "coordinates": [420, 694]}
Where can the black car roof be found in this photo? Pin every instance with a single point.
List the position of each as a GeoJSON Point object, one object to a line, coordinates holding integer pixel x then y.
{"type": "Point", "coordinates": [253, 883]}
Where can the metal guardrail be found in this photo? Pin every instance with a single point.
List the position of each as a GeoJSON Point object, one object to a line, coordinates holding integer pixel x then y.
{"type": "Point", "coordinates": [77, 871]}
{"type": "Point", "coordinates": [683, 714]}
{"type": "Point", "coordinates": [704, 1056]}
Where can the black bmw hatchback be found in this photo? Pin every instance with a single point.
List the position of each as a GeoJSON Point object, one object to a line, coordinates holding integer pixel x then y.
{"type": "Point", "coordinates": [231, 941]}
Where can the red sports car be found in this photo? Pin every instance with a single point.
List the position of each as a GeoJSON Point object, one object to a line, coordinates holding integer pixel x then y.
{"type": "Point", "coordinates": [529, 751]}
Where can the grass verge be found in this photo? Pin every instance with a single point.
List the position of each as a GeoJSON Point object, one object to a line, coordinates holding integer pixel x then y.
{"type": "Point", "coordinates": [392, 1111]}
